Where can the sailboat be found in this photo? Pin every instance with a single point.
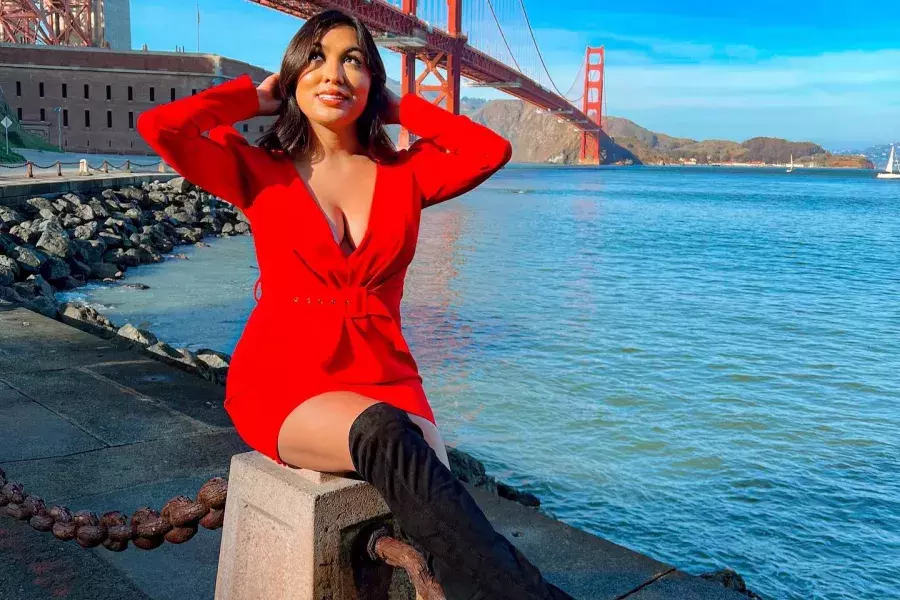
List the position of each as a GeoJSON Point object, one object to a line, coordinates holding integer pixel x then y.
{"type": "Point", "coordinates": [791, 168]}
{"type": "Point", "coordinates": [889, 169]}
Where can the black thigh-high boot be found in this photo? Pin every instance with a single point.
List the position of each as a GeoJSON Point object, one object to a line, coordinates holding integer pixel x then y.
{"type": "Point", "coordinates": [434, 508]}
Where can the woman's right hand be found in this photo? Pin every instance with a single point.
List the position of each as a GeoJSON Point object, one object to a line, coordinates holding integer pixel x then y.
{"type": "Point", "coordinates": [269, 95]}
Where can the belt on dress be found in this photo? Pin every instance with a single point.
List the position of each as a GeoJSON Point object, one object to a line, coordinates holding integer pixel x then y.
{"type": "Point", "coordinates": [345, 303]}
{"type": "Point", "coordinates": [352, 302]}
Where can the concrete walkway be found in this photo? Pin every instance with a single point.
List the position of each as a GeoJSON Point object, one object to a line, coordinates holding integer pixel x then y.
{"type": "Point", "coordinates": [15, 191]}
{"type": "Point", "coordinates": [90, 424]}
{"type": "Point", "coordinates": [45, 162]}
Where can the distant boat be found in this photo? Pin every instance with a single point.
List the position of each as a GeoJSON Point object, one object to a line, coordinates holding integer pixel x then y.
{"type": "Point", "coordinates": [791, 168]}
{"type": "Point", "coordinates": [889, 169]}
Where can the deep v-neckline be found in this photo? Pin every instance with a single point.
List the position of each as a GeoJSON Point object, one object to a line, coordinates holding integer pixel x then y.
{"type": "Point", "coordinates": [325, 221]}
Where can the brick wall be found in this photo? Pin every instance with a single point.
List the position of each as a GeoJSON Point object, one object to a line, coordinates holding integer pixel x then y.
{"type": "Point", "coordinates": [102, 92]}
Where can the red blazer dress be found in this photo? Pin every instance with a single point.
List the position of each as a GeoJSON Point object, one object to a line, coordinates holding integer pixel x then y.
{"type": "Point", "coordinates": [324, 321]}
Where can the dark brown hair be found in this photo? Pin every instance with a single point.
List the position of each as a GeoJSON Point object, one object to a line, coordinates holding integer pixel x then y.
{"type": "Point", "coordinates": [291, 132]}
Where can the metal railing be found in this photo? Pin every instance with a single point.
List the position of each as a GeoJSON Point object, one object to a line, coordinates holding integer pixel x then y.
{"type": "Point", "coordinates": [84, 167]}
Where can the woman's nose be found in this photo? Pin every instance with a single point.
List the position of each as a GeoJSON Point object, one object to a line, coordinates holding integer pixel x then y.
{"type": "Point", "coordinates": [334, 71]}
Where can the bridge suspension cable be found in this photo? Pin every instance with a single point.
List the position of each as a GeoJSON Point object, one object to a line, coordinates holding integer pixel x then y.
{"type": "Point", "coordinates": [502, 29]}
{"type": "Point", "coordinates": [531, 63]}
{"type": "Point", "coordinates": [503, 36]}
{"type": "Point", "coordinates": [540, 56]}
{"type": "Point", "coordinates": [579, 79]}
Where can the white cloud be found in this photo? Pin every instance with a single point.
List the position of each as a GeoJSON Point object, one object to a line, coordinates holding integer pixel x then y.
{"type": "Point", "coordinates": [833, 79]}
{"type": "Point", "coordinates": [664, 47]}
{"type": "Point", "coordinates": [740, 52]}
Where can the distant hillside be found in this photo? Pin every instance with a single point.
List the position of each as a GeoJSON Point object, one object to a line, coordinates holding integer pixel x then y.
{"type": "Point", "coordinates": [877, 154]}
{"type": "Point", "coordinates": [541, 138]}
{"type": "Point", "coordinates": [544, 138]}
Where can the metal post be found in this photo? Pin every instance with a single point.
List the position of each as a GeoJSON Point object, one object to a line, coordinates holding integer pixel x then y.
{"type": "Point", "coordinates": [58, 169]}
{"type": "Point", "coordinates": [29, 170]}
{"type": "Point", "coordinates": [592, 103]}
{"type": "Point", "coordinates": [454, 19]}
{"type": "Point", "coordinates": [407, 76]}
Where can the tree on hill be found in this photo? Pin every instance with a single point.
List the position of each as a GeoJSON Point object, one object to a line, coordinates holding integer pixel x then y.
{"type": "Point", "coordinates": [776, 150]}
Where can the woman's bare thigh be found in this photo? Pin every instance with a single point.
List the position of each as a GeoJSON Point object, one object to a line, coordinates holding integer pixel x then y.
{"type": "Point", "coordinates": [316, 434]}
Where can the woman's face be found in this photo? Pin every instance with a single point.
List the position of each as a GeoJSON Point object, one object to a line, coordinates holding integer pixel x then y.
{"type": "Point", "coordinates": [333, 89]}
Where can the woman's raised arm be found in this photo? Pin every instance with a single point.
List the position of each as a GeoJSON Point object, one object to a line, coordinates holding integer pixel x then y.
{"type": "Point", "coordinates": [216, 163]}
{"type": "Point", "coordinates": [453, 154]}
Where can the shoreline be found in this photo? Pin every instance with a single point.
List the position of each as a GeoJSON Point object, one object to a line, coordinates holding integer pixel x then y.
{"type": "Point", "coordinates": [797, 167]}
{"type": "Point", "coordinates": [38, 257]}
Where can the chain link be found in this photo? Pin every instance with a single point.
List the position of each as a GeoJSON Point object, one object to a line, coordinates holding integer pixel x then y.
{"type": "Point", "coordinates": [148, 529]}
{"type": "Point", "coordinates": [98, 169]}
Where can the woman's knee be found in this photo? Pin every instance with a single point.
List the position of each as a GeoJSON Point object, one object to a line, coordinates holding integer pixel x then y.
{"type": "Point", "coordinates": [328, 432]}
{"type": "Point", "coordinates": [380, 427]}
{"type": "Point", "coordinates": [314, 435]}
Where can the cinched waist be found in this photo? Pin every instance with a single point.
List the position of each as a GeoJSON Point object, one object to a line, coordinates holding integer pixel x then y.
{"type": "Point", "coordinates": [352, 303]}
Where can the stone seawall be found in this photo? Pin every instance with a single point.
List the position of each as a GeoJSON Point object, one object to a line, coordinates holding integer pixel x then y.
{"type": "Point", "coordinates": [49, 244]}
{"type": "Point", "coordinates": [14, 193]}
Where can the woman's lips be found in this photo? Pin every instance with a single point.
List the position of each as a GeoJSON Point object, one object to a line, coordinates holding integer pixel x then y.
{"type": "Point", "coordinates": [331, 99]}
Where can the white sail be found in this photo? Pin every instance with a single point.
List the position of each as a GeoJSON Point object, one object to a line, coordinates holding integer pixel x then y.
{"type": "Point", "coordinates": [889, 169]}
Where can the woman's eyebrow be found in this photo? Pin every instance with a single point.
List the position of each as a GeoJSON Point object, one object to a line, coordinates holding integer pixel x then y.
{"type": "Point", "coordinates": [319, 46]}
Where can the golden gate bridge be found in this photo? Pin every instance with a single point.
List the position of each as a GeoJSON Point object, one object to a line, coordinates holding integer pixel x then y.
{"type": "Point", "coordinates": [487, 43]}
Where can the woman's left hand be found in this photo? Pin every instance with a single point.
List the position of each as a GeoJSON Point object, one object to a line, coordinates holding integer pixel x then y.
{"type": "Point", "coordinates": [392, 116]}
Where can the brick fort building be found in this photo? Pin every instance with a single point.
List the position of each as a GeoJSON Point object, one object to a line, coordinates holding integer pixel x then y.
{"type": "Point", "coordinates": [100, 92]}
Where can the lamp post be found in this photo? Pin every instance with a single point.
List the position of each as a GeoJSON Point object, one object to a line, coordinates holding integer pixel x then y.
{"type": "Point", "coordinates": [58, 111]}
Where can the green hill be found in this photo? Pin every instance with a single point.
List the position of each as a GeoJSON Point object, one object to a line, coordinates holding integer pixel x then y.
{"type": "Point", "coordinates": [18, 137]}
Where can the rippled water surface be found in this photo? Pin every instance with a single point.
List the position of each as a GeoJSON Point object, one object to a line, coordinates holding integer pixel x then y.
{"type": "Point", "coordinates": [699, 364]}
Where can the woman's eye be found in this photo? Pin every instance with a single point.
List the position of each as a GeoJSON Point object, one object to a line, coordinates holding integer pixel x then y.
{"type": "Point", "coordinates": [315, 56]}
{"type": "Point", "coordinates": [354, 60]}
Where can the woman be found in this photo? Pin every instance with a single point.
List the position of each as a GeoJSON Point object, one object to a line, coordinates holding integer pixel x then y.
{"type": "Point", "coordinates": [322, 377]}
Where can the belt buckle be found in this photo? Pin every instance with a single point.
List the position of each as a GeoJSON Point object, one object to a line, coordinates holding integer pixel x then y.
{"type": "Point", "coordinates": [356, 305]}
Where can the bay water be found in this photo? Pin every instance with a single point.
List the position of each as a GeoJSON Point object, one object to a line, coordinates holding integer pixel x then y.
{"type": "Point", "coordinates": [700, 364]}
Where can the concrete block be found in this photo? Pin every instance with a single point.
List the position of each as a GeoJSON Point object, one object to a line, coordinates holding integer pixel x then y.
{"type": "Point", "coordinates": [31, 342]}
{"type": "Point", "coordinates": [29, 430]}
{"type": "Point", "coordinates": [293, 534]}
{"type": "Point", "coordinates": [678, 584]}
{"type": "Point", "coordinates": [106, 409]}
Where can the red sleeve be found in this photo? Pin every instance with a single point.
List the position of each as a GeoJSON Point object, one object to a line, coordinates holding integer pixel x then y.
{"type": "Point", "coordinates": [453, 154]}
{"type": "Point", "coordinates": [215, 163]}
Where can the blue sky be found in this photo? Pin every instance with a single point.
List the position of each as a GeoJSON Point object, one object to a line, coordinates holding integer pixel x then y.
{"type": "Point", "coordinates": [823, 71]}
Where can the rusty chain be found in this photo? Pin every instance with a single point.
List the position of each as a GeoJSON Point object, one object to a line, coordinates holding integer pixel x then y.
{"type": "Point", "coordinates": [176, 523]}
{"type": "Point", "coordinates": [72, 163]}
